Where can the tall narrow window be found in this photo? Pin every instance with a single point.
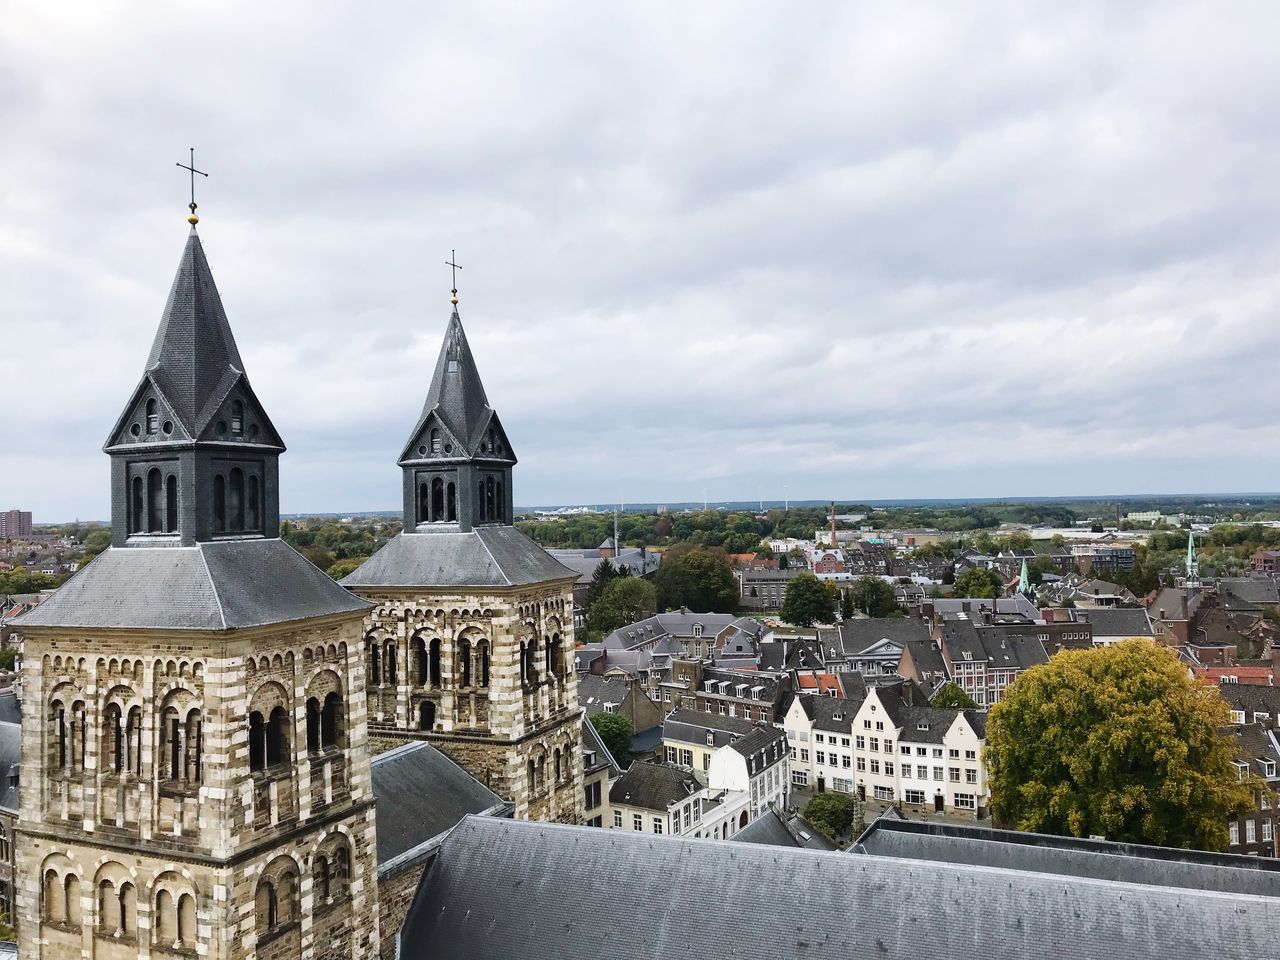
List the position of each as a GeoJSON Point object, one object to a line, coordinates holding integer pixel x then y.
{"type": "Point", "coordinates": [500, 503]}
{"type": "Point", "coordinates": [483, 662]}
{"type": "Point", "coordinates": [435, 442]}
{"type": "Point", "coordinates": [389, 661]}
{"type": "Point", "coordinates": [155, 501]}
{"type": "Point", "coordinates": [252, 505]}
{"type": "Point", "coordinates": [235, 506]}
{"type": "Point", "coordinates": [420, 660]}
{"type": "Point", "coordinates": [133, 741]}
{"type": "Point", "coordinates": [331, 721]}
{"type": "Point", "coordinates": [137, 508]}
{"type": "Point", "coordinates": [313, 725]}
{"type": "Point", "coordinates": [452, 497]}
{"type": "Point", "coordinates": [171, 504]}
{"type": "Point", "coordinates": [277, 737]}
{"type": "Point", "coordinates": [219, 504]}
{"type": "Point", "coordinates": [194, 741]}
{"type": "Point", "coordinates": [153, 418]}
{"type": "Point", "coordinates": [437, 499]}
{"type": "Point", "coordinates": [237, 418]}
{"type": "Point", "coordinates": [375, 672]}
{"type": "Point", "coordinates": [426, 715]}
{"type": "Point", "coordinates": [424, 502]}
{"type": "Point", "coordinates": [257, 742]}
{"type": "Point", "coordinates": [433, 663]}
{"type": "Point", "coordinates": [489, 513]}
{"type": "Point", "coordinates": [480, 503]}
{"type": "Point", "coordinates": [464, 663]}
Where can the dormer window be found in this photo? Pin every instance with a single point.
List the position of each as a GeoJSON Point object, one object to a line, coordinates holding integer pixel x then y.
{"type": "Point", "coordinates": [922, 726]}
{"type": "Point", "coordinates": [711, 738]}
{"type": "Point", "coordinates": [1268, 767]}
{"type": "Point", "coordinates": [697, 629]}
{"type": "Point", "coordinates": [237, 418]}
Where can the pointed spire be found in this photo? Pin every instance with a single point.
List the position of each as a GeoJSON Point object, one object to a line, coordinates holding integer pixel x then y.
{"type": "Point", "coordinates": [193, 358]}
{"type": "Point", "coordinates": [456, 394]}
{"type": "Point", "coordinates": [1024, 581]}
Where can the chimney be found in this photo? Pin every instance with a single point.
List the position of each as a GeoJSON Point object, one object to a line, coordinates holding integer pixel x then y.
{"type": "Point", "coordinates": [833, 524]}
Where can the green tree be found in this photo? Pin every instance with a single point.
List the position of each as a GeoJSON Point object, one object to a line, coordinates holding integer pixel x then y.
{"type": "Point", "coordinates": [8, 657]}
{"type": "Point", "coordinates": [847, 606]}
{"type": "Point", "coordinates": [341, 568]}
{"type": "Point", "coordinates": [697, 578]}
{"type": "Point", "coordinates": [1116, 741]}
{"type": "Point", "coordinates": [873, 596]}
{"type": "Point", "coordinates": [625, 600]}
{"type": "Point", "coordinates": [616, 733]}
{"type": "Point", "coordinates": [950, 695]}
{"type": "Point", "coordinates": [604, 575]}
{"type": "Point", "coordinates": [832, 813]}
{"type": "Point", "coordinates": [809, 601]}
{"type": "Point", "coordinates": [979, 583]}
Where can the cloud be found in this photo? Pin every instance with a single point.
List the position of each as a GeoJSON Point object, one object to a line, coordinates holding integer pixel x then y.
{"type": "Point", "coordinates": [857, 251]}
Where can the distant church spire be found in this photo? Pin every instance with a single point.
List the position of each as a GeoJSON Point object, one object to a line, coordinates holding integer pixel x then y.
{"type": "Point", "coordinates": [457, 462]}
{"type": "Point", "coordinates": [1193, 566]}
{"type": "Point", "coordinates": [194, 454]}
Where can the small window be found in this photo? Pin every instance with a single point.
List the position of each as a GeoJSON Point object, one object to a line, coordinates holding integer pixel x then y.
{"type": "Point", "coordinates": [153, 418]}
{"type": "Point", "coordinates": [237, 418]}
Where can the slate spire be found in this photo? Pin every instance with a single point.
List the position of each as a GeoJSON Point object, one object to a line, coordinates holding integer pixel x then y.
{"type": "Point", "coordinates": [457, 460]}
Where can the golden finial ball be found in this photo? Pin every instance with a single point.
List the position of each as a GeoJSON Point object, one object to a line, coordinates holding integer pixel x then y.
{"type": "Point", "coordinates": [454, 301]}
{"type": "Point", "coordinates": [192, 219]}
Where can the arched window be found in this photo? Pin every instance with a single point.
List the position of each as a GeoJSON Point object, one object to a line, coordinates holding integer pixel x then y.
{"type": "Point", "coordinates": [58, 735]}
{"type": "Point", "coordinates": [420, 661]}
{"type": "Point", "coordinates": [155, 501]}
{"type": "Point", "coordinates": [437, 499]}
{"type": "Point", "coordinates": [533, 777]}
{"type": "Point", "coordinates": [452, 496]}
{"type": "Point", "coordinates": [219, 503]}
{"type": "Point", "coordinates": [426, 715]}
{"type": "Point", "coordinates": [435, 442]}
{"type": "Point", "coordinates": [79, 733]}
{"type": "Point", "coordinates": [257, 742]}
{"type": "Point", "coordinates": [433, 662]}
{"type": "Point", "coordinates": [389, 661]}
{"type": "Point", "coordinates": [171, 752]}
{"type": "Point", "coordinates": [424, 502]}
{"type": "Point", "coordinates": [171, 504]}
{"type": "Point", "coordinates": [108, 908]}
{"type": "Point", "coordinates": [267, 907]}
{"type": "Point", "coordinates": [71, 900]}
{"type": "Point", "coordinates": [193, 741]}
{"type": "Point", "coordinates": [531, 658]}
{"type": "Point", "coordinates": [557, 657]}
{"type": "Point", "coordinates": [55, 898]}
{"type": "Point", "coordinates": [277, 737]}
{"type": "Point", "coordinates": [187, 919]}
{"type": "Point", "coordinates": [235, 500]}
{"type": "Point", "coordinates": [133, 741]}
{"type": "Point", "coordinates": [480, 503]}
{"type": "Point", "coordinates": [153, 417]}
{"type": "Point", "coordinates": [375, 671]}
{"type": "Point", "coordinates": [313, 725]}
{"type": "Point", "coordinates": [137, 506]}
{"type": "Point", "coordinates": [128, 909]}
{"type": "Point", "coordinates": [321, 878]}
{"type": "Point", "coordinates": [112, 739]}
{"type": "Point", "coordinates": [237, 418]}
{"type": "Point", "coordinates": [559, 773]}
{"type": "Point", "coordinates": [464, 663]}
{"type": "Point", "coordinates": [166, 918]}
{"type": "Point", "coordinates": [500, 504]}
{"type": "Point", "coordinates": [251, 506]}
{"type": "Point", "coordinates": [489, 512]}
{"type": "Point", "coordinates": [331, 721]}
{"type": "Point", "coordinates": [524, 664]}
{"type": "Point", "coordinates": [482, 661]}
{"type": "Point", "coordinates": [549, 656]}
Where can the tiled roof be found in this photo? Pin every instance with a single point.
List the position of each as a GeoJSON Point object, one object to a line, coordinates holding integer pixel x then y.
{"type": "Point", "coordinates": [489, 556]}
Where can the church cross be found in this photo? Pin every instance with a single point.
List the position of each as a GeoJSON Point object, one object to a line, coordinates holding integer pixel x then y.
{"type": "Point", "coordinates": [453, 256]}
{"type": "Point", "coordinates": [191, 167]}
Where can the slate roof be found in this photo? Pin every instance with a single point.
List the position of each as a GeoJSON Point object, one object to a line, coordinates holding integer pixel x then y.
{"type": "Point", "coordinates": [768, 829]}
{"type": "Point", "coordinates": [9, 710]}
{"type": "Point", "coordinates": [498, 890]}
{"type": "Point", "coordinates": [443, 556]}
{"type": "Point", "coordinates": [653, 786]}
{"type": "Point", "coordinates": [194, 363]}
{"type": "Point", "coordinates": [926, 656]}
{"type": "Point", "coordinates": [1252, 698]}
{"type": "Point", "coordinates": [1116, 621]}
{"type": "Point", "coordinates": [10, 760]}
{"type": "Point", "coordinates": [997, 648]}
{"type": "Point", "coordinates": [1016, 605]}
{"type": "Point", "coordinates": [1171, 599]}
{"type": "Point", "coordinates": [456, 396]}
{"type": "Point", "coordinates": [594, 692]}
{"type": "Point", "coordinates": [422, 794]}
{"type": "Point", "coordinates": [823, 711]}
{"type": "Point", "coordinates": [859, 634]}
{"type": "Point", "coordinates": [692, 726]}
{"type": "Point", "coordinates": [585, 562]}
{"type": "Point", "coordinates": [1071, 857]}
{"type": "Point", "coordinates": [223, 585]}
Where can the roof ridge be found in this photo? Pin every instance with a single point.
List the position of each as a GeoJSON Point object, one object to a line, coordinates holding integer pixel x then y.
{"type": "Point", "coordinates": [217, 598]}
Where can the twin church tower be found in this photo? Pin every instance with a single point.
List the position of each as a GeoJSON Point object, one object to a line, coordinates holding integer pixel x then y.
{"type": "Point", "coordinates": [200, 703]}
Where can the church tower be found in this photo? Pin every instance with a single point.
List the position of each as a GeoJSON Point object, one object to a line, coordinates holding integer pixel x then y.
{"type": "Point", "coordinates": [470, 642]}
{"type": "Point", "coordinates": [195, 776]}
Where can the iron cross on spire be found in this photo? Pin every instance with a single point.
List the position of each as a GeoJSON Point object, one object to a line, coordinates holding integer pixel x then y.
{"type": "Point", "coordinates": [191, 167]}
{"type": "Point", "coordinates": [451, 262]}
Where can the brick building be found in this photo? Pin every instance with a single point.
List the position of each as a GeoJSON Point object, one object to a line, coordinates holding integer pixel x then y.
{"type": "Point", "coordinates": [15, 523]}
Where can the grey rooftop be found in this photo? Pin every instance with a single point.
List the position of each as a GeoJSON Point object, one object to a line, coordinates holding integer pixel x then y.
{"type": "Point", "coordinates": [444, 556]}
{"type": "Point", "coordinates": [222, 585]}
{"type": "Point", "coordinates": [497, 890]}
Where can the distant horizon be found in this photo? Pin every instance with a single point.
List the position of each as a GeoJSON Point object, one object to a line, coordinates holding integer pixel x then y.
{"type": "Point", "coordinates": [648, 506]}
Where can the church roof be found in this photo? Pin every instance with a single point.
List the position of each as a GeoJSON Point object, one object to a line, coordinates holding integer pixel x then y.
{"type": "Point", "coordinates": [456, 395]}
{"type": "Point", "coordinates": [222, 585]}
{"type": "Point", "coordinates": [444, 556]}
{"type": "Point", "coordinates": [194, 363]}
{"type": "Point", "coordinates": [497, 889]}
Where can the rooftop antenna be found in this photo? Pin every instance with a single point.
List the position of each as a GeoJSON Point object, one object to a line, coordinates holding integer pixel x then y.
{"type": "Point", "coordinates": [615, 532]}
{"type": "Point", "coordinates": [786, 497]}
{"type": "Point", "coordinates": [704, 499]}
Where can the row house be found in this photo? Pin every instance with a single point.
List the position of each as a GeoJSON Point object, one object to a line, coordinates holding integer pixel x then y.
{"type": "Point", "coordinates": [873, 645]}
{"type": "Point", "coordinates": [819, 732]}
{"type": "Point", "coordinates": [985, 659]}
{"type": "Point", "coordinates": [764, 589]}
{"type": "Point", "coordinates": [695, 635]}
{"type": "Point", "coordinates": [750, 694]}
{"type": "Point", "coordinates": [734, 754]}
{"type": "Point", "coordinates": [926, 758]}
{"type": "Point", "coordinates": [1257, 758]}
{"type": "Point", "coordinates": [659, 798]}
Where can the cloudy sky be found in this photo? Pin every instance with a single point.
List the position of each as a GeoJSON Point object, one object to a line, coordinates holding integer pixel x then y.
{"type": "Point", "coordinates": [862, 251]}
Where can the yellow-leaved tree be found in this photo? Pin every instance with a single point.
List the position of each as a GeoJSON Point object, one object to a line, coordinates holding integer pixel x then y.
{"type": "Point", "coordinates": [1116, 741]}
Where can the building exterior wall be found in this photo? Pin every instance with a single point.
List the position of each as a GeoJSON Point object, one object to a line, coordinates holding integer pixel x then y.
{"type": "Point", "coordinates": [518, 733]}
{"type": "Point", "coordinates": [192, 855]}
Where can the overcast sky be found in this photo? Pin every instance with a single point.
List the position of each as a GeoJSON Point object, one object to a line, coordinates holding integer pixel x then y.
{"type": "Point", "coordinates": [865, 251]}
